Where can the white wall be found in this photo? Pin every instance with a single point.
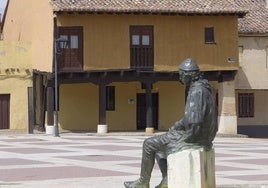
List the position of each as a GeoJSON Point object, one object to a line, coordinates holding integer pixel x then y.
{"type": "Point", "coordinates": [253, 72]}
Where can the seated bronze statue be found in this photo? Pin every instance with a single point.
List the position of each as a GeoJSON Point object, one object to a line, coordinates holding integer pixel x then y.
{"type": "Point", "coordinates": [198, 127]}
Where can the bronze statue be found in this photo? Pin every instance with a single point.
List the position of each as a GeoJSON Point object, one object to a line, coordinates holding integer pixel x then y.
{"type": "Point", "coordinates": [198, 127]}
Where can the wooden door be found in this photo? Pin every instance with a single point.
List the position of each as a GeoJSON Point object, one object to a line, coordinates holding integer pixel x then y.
{"type": "Point", "coordinates": [4, 111]}
{"type": "Point", "coordinates": [141, 111]}
{"type": "Point", "coordinates": [141, 47]}
{"type": "Point", "coordinates": [72, 57]}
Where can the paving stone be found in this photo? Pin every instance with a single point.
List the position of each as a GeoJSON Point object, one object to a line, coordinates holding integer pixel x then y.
{"type": "Point", "coordinates": [83, 160]}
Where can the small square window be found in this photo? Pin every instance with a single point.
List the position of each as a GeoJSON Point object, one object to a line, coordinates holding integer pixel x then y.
{"type": "Point", "coordinates": [74, 41]}
{"type": "Point", "coordinates": [145, 40]}
{"type": "Point", "coordinates": [135, 40]}
{"type": "Point", "coordinates": [209, 35]}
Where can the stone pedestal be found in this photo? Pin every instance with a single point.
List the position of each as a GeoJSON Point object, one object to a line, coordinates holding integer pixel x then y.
{"type": "Point", "coordinates": [192, 168]}
{"type": "Point", "coordinates": [50, 129]}
{"type": "Point", "coordinates": [102, 129]}
{"type": "Point", "coordinates": [149, 130]}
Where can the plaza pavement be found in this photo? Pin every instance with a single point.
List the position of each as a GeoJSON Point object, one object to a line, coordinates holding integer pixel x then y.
{"type": "Point", "coordinates": [83, 160]}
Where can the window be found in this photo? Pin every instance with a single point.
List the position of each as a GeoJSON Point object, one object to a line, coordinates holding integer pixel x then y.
{"type": "Point", "coordinates": [245, 105]}
{"type": "Point", "coordinates": [72, 58]}
{"type": "Point", "coordinates": [110, 98]}
{"type": "Point", "coordinates": [209, 35]}
{"type": "Point", "coordinates": [141, 47]}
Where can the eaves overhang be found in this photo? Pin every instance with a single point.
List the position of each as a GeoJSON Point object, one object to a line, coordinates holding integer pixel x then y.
{"type": "Point", "coordinates": [164, 7]}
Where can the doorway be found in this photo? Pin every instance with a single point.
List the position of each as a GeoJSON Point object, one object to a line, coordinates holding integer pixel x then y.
{"type": "Point", "coordinates": [4, 111]}
{"type": "Point", "coordinates": [141, 111]}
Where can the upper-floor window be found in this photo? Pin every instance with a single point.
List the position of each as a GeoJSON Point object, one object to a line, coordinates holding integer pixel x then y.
{"type": "Point", "coordinates": [141, 47]}
{"type": "Point", "coordinates": [209, 35]}
{"type": "Point", "coordinates": [245, 105]}
{"type": "Point", "coordinates": [72, 58]}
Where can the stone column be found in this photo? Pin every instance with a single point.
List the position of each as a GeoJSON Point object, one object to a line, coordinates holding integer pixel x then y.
{"type": "Point", "coordinates": [227, 108]}
{"type": "Point", "coordinates": [102, 126]}
{"type": "Point", "coordinates": [50, 110]}
{"type": "Point", "coordinates": [149, 109]}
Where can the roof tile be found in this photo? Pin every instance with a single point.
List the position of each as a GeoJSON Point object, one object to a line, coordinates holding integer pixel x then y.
{"type": "Point", "coordinates": [256, 20]}
{"type": "Point", "coordinates": [150, 6]}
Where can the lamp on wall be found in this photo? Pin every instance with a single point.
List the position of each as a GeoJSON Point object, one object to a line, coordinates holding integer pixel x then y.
{"type": "Point", "coordinates": [60, 45]}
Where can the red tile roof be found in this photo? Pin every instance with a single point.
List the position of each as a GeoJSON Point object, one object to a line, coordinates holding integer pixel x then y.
{"type": "Point", "coordinates": [256, 21]}
{"type": "Point", "coordinates": [150, 6]}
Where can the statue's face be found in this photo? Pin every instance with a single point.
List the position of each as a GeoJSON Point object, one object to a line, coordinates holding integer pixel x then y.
{"type": "Point", "coordinates": [185, 78]}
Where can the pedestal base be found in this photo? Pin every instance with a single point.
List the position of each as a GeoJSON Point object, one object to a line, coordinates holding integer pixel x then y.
{"type": "Point", "coordinates": [192, 168]}
{"type": "Point", "coordinates": [50, 129]}
{"type": "Point", "coordinates": [149, 130]}
{"type": "Point", "coordinates": [102, 129]}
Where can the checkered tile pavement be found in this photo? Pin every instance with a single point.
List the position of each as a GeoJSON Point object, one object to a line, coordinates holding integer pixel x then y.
{"type": "Point", "coordinates": [80, 160]}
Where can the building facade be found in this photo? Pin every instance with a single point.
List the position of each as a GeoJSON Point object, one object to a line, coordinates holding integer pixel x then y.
{"type": "Point", "coordinates": [120, 69]}
{"type": "Point", "coordinates": [252, 77]}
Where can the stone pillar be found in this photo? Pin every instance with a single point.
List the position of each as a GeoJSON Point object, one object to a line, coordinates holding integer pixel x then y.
{"type": "Point", "coordinates": [50, 110]}
{"type": "Point", "coordinates": [227, 108]}
{"type": "Point", "coordinates": [149, 109]}
{"type": "Point", "coordinates": [102, 126]}
{"type": "Point", "coordinates": [192, 168]}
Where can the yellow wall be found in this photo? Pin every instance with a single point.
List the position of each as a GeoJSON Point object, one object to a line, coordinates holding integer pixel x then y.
{"type": "Point", "coordinates": [15, 55]}
{"type": "Point", "coordinates": [17, 88]}
{"type": "Point", "coordinates": [29, 24]}
{"type": "Point", "coordinates": [79, 106]}
{"type": "Point", "coordinates": [15, 78]}
{"type": "Point", "coordinates": [171, 103]}
{"type": "Point", "coordinates": [124, 116]}
{"type": "Point", "coordinates": [42, 35]}
{"type": "Point", "coordinates": [175, 38]}
{"type": "Point", "coordinates": [107, 37]}
{"type": "Point", "coordinates": [32, 21]}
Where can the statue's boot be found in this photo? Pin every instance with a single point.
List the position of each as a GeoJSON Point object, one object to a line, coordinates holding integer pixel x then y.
{"type": "Point", "coordinates": [163, 183]}
{"type": "Point", "coordinates": [137, 184]}
{"type": "Point", "coordinates": [147, 164]}
{"type": "Point", "coordinates": [162, 163]}
{"type": "Point", "coordinates": [145, 175]}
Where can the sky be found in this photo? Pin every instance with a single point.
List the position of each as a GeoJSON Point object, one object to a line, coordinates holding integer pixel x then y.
{"type": "Point", "coordinates": [2, 6]}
